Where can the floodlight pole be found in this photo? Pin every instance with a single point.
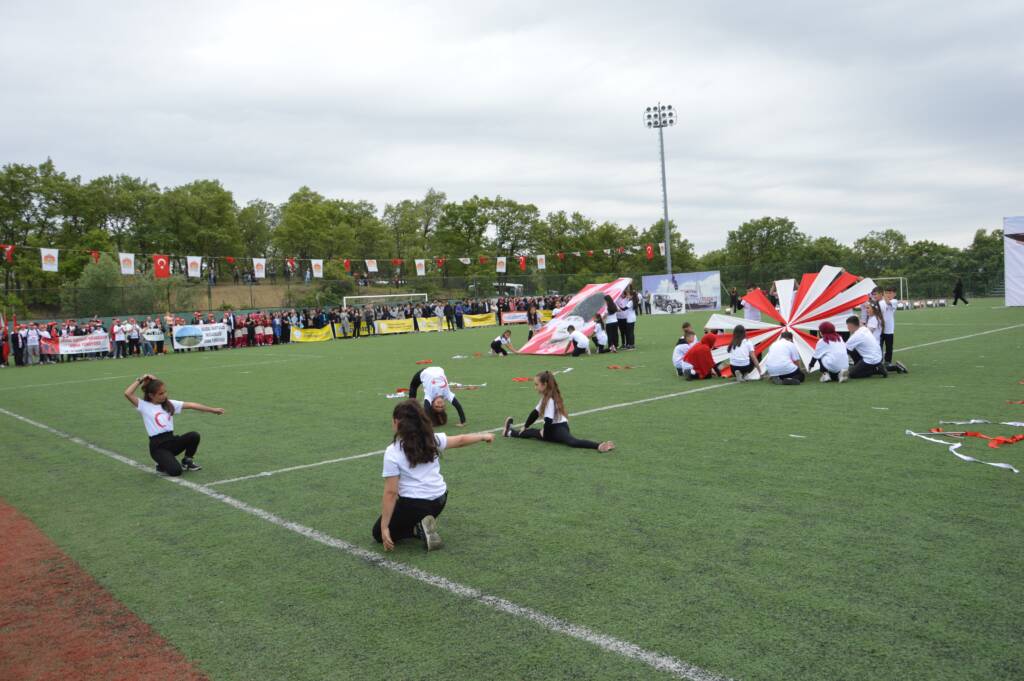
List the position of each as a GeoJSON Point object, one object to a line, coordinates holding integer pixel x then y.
{"type": "Point", "coordinates": [660, 117]}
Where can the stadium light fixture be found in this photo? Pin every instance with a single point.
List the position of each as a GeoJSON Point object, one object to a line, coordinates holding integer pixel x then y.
{"type": "Point", "coordinates": [661, 116]}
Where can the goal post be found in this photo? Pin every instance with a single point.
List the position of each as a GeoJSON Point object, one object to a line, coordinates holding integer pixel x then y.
{"type": "Point", "coordinates": [901, 283]}
{"type": "Point", "coordinates": [389, 299]}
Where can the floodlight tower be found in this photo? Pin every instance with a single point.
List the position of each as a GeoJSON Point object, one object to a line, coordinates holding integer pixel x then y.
{"type": "Point", "coordinates": [662, 116]}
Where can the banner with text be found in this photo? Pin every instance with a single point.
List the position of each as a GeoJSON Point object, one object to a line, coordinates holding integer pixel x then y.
{"type": "Point", "coordinates": [312, 335]}
{"type": "Point", "coordinates": [520, 317]}
{"type": "Point", "coordinates": [199, 336]}
{"type": "Point", "coordinates": [472, 321]}
{"type": "Point", "coordinates": [406, 325]}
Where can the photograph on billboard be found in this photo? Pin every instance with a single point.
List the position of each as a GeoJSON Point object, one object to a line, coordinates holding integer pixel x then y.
{"type": "Point", "coordinates": [677, 293]}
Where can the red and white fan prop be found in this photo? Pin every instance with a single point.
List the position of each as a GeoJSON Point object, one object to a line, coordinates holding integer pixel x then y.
{"type": "Point", "coordinates": [830, 295]}
{"type": "Point", "coordinates": [579, 312]}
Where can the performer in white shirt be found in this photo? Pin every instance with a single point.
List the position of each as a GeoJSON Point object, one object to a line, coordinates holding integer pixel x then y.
{"type": "Point", "coordinates": [158, 412]}
{"type": "Point", "coordinates": [749, 311]}
{"type": "Point", "coordinates": [556, 421]}
{"type": "Point", "coordinates": [830, 352]}
{"type": "Point", "coordinates": [782, 362]}
{"type": "Point", "coordinates": [888, 306]}
{"type": "Point", "coordinates": [683, 368]}
{"type": "Point", "coordinates": [436, 391]}
{"type": "Point", "coordinates": [579, 342]}
{"type": "Point", "coordinates": [502, 345]}
{"type": "Point", "coordinates": [601, 335]}
{"type": "Point", "coordinates": [866, 354]}
{"type": "Point", "coordinates": [414, 491]}
{"type": "Point", "coordinates": [742, 357]}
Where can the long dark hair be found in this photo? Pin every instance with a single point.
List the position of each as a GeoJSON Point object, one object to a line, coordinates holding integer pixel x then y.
{"type": "Point", "coordinates": [150, 388]}
{"type": "Point", "coordinates": [739, 334]}
{"type": "Point", "coordinates": [551, 392]}
{"type": "Point", "coordinates": [414, 433]}
{"type": "Point", "coordinates": [612, 307]}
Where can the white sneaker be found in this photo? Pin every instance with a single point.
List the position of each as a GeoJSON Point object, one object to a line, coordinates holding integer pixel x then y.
{"type": "Point", "coordinates": [825, 378]}
{"type": "Point", "coordinates": [844, 375]}
{"type": "Point", "coordinates": [739, 377]}
{"type": "Point", "coordinates": [428, 533]}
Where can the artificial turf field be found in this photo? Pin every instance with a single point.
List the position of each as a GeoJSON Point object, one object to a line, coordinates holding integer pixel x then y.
{"type": "Point", "coordinates": [711, 536]}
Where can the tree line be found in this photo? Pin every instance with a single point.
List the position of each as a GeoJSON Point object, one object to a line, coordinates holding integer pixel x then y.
{"type": "Point", "coordinates": [41, 206]}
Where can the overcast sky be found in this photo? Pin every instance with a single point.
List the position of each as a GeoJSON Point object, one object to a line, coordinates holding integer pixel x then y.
{"type": "Point", "coordinates": [843, 117]}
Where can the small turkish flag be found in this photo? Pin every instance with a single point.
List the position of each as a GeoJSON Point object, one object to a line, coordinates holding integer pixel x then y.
{"type": "Point", "coordinates": [231, 261]}
{"type": "Point", "coordinates": [95, 256]}
{"type": "Point", "coordinates": [440, 262]}
{"type": "Point", "coordinates": [291, 263]}
{"type": "Point", "coordinates": [161, 266]}
{"type": "Point", "coordinates": [8, 252]}
{"type": "Point", "coordinates": [561, 256]}
{"type": "Point", "coordinates": [482, 259]}
{"type": "Point", "coordinates": [396, 261]}
{"type": "Point", "coordinates": [620, 250]}
{"type": "Point", "coordinates": [347, 264]}
{"type": "Point", "coordinates": [649, 248]}
{"type": "Point", "coordinates": [590, 254]}
{"type": "Point", "coordinates": [522, 263]}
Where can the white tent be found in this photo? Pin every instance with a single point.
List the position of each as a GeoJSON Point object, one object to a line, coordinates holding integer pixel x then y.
{"type": "Point", "coordinates": [1013, 259]}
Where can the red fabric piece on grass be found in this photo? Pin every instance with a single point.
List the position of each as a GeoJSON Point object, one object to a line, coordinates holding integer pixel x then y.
{"type": "Point", "coordinates": [994, 442]}
{"type": "Point", "coordinates": [521, 379]}
{"type": "Point", "coordinates": [424, 361]}
{"type": "Point", "coordinates": [1015, 401]}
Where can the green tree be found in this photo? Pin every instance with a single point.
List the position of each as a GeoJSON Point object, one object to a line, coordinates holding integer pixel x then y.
{"type": "Point", "coordinates": [880, 252]}
{"type": "Point", "coordinates": [765, 248]}
{"type": "Point", "coordinates": [256, 224]}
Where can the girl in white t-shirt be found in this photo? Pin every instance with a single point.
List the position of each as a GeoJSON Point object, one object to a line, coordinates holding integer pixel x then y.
{"type": "Point", "coordinates": [556, 421]}
{"type": "Point", "coordinates": [158, 412]}
{"type": "Point", "coordinates": [436, 391]}
{"type": "Point", "coordinates": [502, 345]}
{"type": "Point", "coordinates": [742, 357]}
{"type": "Point", "coordinates": [414, 491]}
{"type": "Point", "coordinates": [874, 321]}
{"type": "Point", "coordinates": [601, 335]}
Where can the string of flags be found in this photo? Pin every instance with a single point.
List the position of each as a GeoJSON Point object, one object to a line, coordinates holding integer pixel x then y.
{"type": "Point", "coordinates": [164, 263]}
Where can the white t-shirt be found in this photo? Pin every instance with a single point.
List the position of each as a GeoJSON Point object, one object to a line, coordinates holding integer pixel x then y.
{"type": "Point", "coordinates": [874, 325]}
{"type": "Point", "coordinates": [750, 312]}
{"type": "Point", "coordinates": [156, 419]}
{"type": "Point", "coordinates": [423, 481]}
{"type": "Point", "coordinates": [740, 356]}
{"type": "Point", "coordinates": [888, 315]}
{"type": "Point", "coordinates": [579, 339]}
{"type": "Point", "coordinates": [502, 340]}
{"type": "Point", "coordinates": [782, 358]}
{"type": "Point", "coordinates": [832, 356]}
{"type": "Point", "coordinates": [549, 412]}
{"type": "Point", "coordinates": [435, 384]}
{"type": "Point", "coordinates": [678, 352]}
{"type": "Point", "coordinates": [864, 343]}
{"type": "Point", "coordinates": [600, 335]}
{"type": "Point", "coordinates": [118, 332]}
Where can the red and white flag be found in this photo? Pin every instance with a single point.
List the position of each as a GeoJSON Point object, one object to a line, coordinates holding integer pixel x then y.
{"type": "Point", "coordinates": [421, 267]}
{"type": "Point", "coordinates": [522, 263]}
{"type": "Point", "coordinates": [649, 249]}
{"type": "Point", "coordinates": [49, 257]}
{"type": "Point", "coordinates": [95, 255]}
{"type": "Point", "coordinates": [195, 265]}
{"type": "Point", "coordinates": [318, 268]}
{"type": "Point", "coordinates": [439, 262]}
{"type": "Point", "coordinates": [127, 261]}
{"type": "Point", "coordinates": [161, 266]}
{"type": "Point", "coordinates": [347, 264]}
{"type": "Point", "coordinates": [259, 268]}
{"type": "Point", "coordinates": [8, 252]}
{"type": "Point", "coordinates": [542, 262]}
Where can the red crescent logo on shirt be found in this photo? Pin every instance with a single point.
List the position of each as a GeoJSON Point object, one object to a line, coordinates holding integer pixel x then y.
{"type": "Point", "coordinates": [156, 418]}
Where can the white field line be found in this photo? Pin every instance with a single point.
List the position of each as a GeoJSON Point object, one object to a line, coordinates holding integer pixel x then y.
{"type": "Point", "coordinates": [172, 370]}
{"type": "Point", "coordinates": [267, 474]}
{"type": "Point", "coordinates": [664, 663]}
{"type": "Point", "coordinates": [950, 340]}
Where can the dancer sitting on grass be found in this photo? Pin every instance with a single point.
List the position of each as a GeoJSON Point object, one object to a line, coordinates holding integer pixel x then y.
{"type": "Point", "coordinates": [830, 352]}
{"type": "Point", "coordinates": [158, 412]}
{"type": "Point", "coordinates": [782, 361]}
{"type": "Point", "coordinates": [699, 358]}
{"type": "Point", "coordinates": [742, 357]}
{"type": "Point", "coordinates": [556, 421]}
{"type": "Point", "coordinates": [579, 342]}
{"type": "Point", "coordinates": [436, 392]}
{"type": "Point", "coordinates": [502, 345]}
{"type": "Point", "coordinates": [601, 336]}
{"type": "Point", "coordinates": [414, 491]}
{"type": "Point", "coordinates": [683, 346]}
{"type": "Point", "coordinates": [864, 350]}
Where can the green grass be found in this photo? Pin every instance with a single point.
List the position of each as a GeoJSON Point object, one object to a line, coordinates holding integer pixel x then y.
{"type": "Point", "coordinates": [710, 534]}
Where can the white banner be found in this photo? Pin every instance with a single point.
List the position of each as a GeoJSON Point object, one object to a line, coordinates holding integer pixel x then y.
{"type": "Point", "coordinates": [500, 267]}
{"type": "Point", "coordinates": [259, 268]}
{"type": "Point", "coordinates": [421, 268]}
{"type": "Point", "coordinates": [661, 247]}
{"type": "Point", "coordinates": [195, 265]}
{"type": "Point", "coordinates": [1013, 261]}
{"type": "Point", "coordinates": [127, 261]}
{"type": "Point", "coordinates": [371, 265]}
{"type": "Point", "coordinates": [80, 345]}
{"type": "Point", "coordinates": [318, 268]}
{"type": "Point", "coordinates": [153, 334]}
{"type": "Point", "coordinates": [49, 257]}
{"type": "Point", "coordinates": [465, 261]}
{"type": "Point", "coordinates": [200, 335]}
{"type": "Point", "coordinates": [542, 262]}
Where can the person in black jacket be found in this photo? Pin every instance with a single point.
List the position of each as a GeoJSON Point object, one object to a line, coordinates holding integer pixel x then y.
{"type": "Point", "coordinates": [958, 291]}
{"type": "Point", "coordinates": [556, 420]}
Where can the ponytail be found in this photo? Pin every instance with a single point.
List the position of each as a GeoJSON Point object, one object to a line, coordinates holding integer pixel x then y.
{"type": "Point", "coordinates": [150, 386]}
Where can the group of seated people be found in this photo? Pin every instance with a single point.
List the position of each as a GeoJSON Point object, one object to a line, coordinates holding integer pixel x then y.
{"type": "Point", "coordinates": [859, 355]}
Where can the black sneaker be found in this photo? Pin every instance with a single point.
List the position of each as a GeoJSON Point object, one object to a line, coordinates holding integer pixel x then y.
{"type": "Point", "coordinates": [777, 380]}
{"type": "Point", "coordinates": [507, 430]}
{"type": "Point", "coordinates": [190, 465]}
{"type": "Point", "coordinates": [426, 530]}
{"type": "Point", "coordinates": [900, 368]}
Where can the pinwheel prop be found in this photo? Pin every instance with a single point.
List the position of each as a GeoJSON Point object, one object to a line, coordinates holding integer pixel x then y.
{"type": "Point", "coordinates": [829, 295]}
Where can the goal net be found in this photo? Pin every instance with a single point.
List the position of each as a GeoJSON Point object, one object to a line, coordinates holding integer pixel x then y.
{"type": "Point", "coordinates": [387, 300]}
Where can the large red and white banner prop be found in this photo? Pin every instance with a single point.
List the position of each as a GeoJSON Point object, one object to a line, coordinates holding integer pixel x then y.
{"type": "Point", "coordinates": [830, 295]}
{"type": "Point", "coordinates": [553, 339]}
{"type": "Point", "coordinates": [1013, 260]}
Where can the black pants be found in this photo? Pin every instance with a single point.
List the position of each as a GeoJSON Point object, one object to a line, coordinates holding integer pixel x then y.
{"type": "Point", "coordinates": [133, 346]}
{"type": "Point", "coordinates": [120, 349]}
{"type": "Point", "coordinates": [498, 348]}
{"type": "Point", "coordinates": [450, 321]}
{"type": "Point", "coordinates": [887, 343]}
{"type": "Point", "coordinates": [165, 447]}
{"type": "Point", "coordinates": [556, 432]}
{"type": "Point", "coordinates": [623, 334]}
{"type": "Point", "coordinates": [959, 296]}
{"type": "Point", "coordinates": [414, 385]}
{"type": "Point", "coordinates": [407, 513]}
{"type": "Point", "coordinates": [577, 350]}
{"type": "Point", "coordinates": [629, 340]}
{"type": "Point", "coordinates": [795, 375]}
{"type": "Point", "coordinates": [743, 370]}
{"type": "Point", "coordinates": [612, 328]}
